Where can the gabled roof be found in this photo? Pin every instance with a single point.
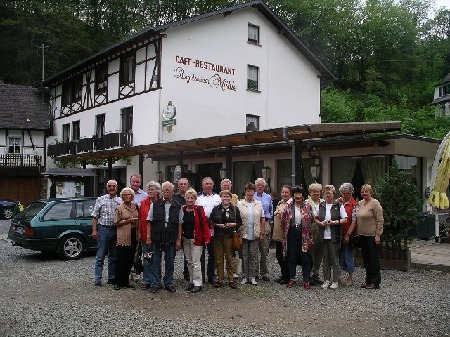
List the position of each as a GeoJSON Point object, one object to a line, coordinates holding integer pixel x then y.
{"type": "Point", "coordinates": [21, 107]}
{"type": "Point", "coordinates": [155, 31]}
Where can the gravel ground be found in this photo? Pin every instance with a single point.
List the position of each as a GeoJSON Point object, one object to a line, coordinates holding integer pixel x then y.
{"type": "Point", "coordinates": [44, 296]}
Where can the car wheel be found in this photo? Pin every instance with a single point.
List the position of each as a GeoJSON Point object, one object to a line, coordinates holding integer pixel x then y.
{"type": "Point", "coordinates": [71, 247]}
{"type": "Point", "coordinates": [7, 213]}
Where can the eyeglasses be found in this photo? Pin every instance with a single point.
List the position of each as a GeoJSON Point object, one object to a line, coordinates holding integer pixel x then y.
{"type": "Point", "coordinates": [110, 185]}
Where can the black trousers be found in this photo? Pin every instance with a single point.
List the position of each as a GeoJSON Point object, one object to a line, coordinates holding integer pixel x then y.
{"type": "Point", "coordinates": [211, 266]}
{"type": "Point", "coordinates": [370, 252]}
{"type": "Point", "coordinates": [125, 260]}
{"type": "Point", "coordinates": [282, 261]}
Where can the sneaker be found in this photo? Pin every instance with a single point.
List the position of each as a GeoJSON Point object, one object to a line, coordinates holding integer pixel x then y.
{"type": "Point", "coordinates": [244, 281]}
{"type": "Point", "coordinates": [253, 281]}
{"type": "Point", "coordinates": [334, 285]}
{"type": "Point", "coordinates": [306, 285]}
{"type": "Point", "coordinates": [325, 284]}
{"type": "Point", "coordinates": [291, 284]}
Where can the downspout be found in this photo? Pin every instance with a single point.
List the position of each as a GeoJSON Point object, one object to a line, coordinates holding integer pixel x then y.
{"type": "Point", "coordinates": [291, 144]}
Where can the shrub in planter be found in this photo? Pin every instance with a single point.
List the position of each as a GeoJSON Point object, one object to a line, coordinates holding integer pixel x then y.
{"type": "Point", "coordinates": [401, 203]}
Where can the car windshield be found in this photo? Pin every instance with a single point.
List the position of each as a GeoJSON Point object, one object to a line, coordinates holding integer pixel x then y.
{"type": "Point", "coordinates": [30, 212]}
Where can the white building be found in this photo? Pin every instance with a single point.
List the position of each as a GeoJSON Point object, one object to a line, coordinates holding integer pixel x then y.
{"type": "Point", "coordinates": [232, 89]}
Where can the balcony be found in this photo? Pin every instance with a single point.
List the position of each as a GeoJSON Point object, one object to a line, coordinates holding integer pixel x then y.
{"type": "Point", "coordinates": [12, 160]}
{"type": "Point", "coordinates": [89, 145]}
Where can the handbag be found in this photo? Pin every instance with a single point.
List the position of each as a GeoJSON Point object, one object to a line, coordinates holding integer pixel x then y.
{"type": "Point", "coordinates": [236, 241]}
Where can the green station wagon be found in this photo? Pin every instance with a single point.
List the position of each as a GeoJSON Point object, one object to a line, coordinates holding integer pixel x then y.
{"type": "Point", "coordinates": [55, 225]}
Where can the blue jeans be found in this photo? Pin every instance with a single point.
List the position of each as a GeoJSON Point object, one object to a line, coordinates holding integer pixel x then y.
{"type": "Point", "coordinates": [106, 244]}
{"type": "Point", "coordinates": [169, 260]}
{"type": "Point", "coordinates": [347, 262]}
{"type": "Point", "coordinates": [146, 264]}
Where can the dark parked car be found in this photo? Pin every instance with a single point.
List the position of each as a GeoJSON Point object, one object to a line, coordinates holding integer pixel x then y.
{"type": "Point", "coordinates": [55, 225]}
{"type": "Point", "coordinates": [7, 209]}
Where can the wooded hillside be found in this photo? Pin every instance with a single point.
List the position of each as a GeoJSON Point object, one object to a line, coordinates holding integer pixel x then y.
{"type": "Point", "coordinates": [387, 55]}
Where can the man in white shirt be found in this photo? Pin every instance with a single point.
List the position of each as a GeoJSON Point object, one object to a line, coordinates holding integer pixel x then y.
{"type": "Point", "coordinates": [208, 199]}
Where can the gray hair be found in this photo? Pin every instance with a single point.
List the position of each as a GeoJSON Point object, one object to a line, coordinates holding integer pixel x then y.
{"type": "Point", "coordinates": [126, 189]}
{"type": "Point", "coordinates": [168, 183]}
{"type": "Point", "coordinates": [346, 188]}
{"type": "Point", "coordinates": [226, 180]}
{"type": "Point", "coordinates": [156, 185]}
{"type": "Point", "coordinates": [261, 180]}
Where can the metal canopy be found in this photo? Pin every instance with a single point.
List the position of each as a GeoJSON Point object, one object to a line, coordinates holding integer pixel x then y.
{"type": "Point", "coordinates": [299, 132]}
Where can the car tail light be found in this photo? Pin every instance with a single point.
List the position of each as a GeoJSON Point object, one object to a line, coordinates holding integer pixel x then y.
{"type": "Point", "coordinates": [28, 231]}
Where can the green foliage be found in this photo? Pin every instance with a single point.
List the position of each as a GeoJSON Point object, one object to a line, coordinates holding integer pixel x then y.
{"type": "Point", "coordinates": [77, 162]}
{"type": "Point", "coordinates": [401, 204]}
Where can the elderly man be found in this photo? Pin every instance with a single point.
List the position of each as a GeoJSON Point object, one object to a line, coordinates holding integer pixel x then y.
{"type": "Point", "coordinates": [225, 185]}
{"type": "Point", "coordinates": [164, 232]}
{"type": "Point", "coordinates": [104, 232]}
{"type": "Point", "coordinates": [183, 185]}
{"type": "Point", "coordinates": [135, 184]}
{"type": "Point", "coordinates": [266, 201]}
{"type": "Point", "coordinates": [208, 199]}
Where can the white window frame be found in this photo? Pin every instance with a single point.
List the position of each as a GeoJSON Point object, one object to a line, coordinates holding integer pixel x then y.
{"type": "Point", "coordinates": [252, 78]}
{"type": "Point", "coordinates": [16, 144]}
{"type": "Point", "coordinates": [253, 34]}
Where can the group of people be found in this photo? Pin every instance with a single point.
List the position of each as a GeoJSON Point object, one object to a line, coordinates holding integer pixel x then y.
{"type": "Point", "coordinates": [309, 233]}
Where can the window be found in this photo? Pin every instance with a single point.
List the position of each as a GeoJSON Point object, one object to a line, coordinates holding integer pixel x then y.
{"type": "Point", "coordinates": [77, 88]}
{"type": "Point", "coordinates": [76, 130]}
{"type": "Point", "coordinates": [101, 79]}
{"type": "Point", "coordinates": [253, 34]}
{"type": "Point", "coordinates": [126, 116]}
{"type": "Point", "coordinates": [127, 66]}
{"type": "Point", "coordinates": [99, 125]}
{"type": "Point", "coordinates": [65, 133]}
{"type": "Point", "coordinates": [66, 92]}
{"type": "Point", "coordinates": [252, 78]}
{"type": "Point", "coordinates": [252, 123]}
{"type": "Point", "coordinates": [60, 211]}
{"type": "Point", "coordinates": [14, 145]}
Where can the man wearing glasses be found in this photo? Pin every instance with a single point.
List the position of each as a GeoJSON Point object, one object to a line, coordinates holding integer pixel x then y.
{"type": "Point", "coordinates": [104, 232]}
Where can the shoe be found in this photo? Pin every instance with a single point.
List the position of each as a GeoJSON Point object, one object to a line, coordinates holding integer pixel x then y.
{"type": "Point", "coordinates": [325, 284]}
{"type": "Point", "coordinates": [291, 284]}
{"type": "Point", "coordinates": [253, 281]}
{"type": "Point", "coordinates": [98, 284]}
{"type": "Point", "coordinates": [232, 285]}
{"type": "Point", "coordinates": [334, 285]}
{"type": "Point", "coordinates": [111, 282]}
{"type": "Point", "coordinates": [363, 285]}
{"type": "Point", "coordinates": [265, 278]}
{"type": "Point", "coordinates": [154, 290]}
{"type": "Point", "coordinates": [116, 287]}
{"type": "Point", "coordinates": [145, 286]}
{"type": "Point", "coordinates": [373, 286]}
{"type": "Point", "coordinates": [171, 288]}
{"type": "Point", "coordinates": [235, 275]}
{"type": "Point", "coordinates": [306, 285]}
{"type": "Point", "coordinates": [187, 277]}
{"type": "Point", "coordinates": [218, 284]}
{"type": "Point", "coordinates": [349, 282]}
{"type": "Point", "coordinates": [196, 289]}
{"type": "Point", "coordinates": [190, 286]}
{"type": "Point", "coordinates": [315, 280]}
{"type": "Point", "coordinates": [211, 280]}
{"type": "Point", "coordinates": [244, 281]}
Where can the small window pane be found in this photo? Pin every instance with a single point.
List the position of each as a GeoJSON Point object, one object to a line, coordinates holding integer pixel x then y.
{"type": "Point", "coordinates": [14, 145]}
{"type": "Point", "coordinates": [252, 80]}
{"type": "Point", "coordinates": [253, 34]}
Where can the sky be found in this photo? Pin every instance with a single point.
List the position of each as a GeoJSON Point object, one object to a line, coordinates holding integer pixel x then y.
{"type": "Point", "coordinates": [440, 3]}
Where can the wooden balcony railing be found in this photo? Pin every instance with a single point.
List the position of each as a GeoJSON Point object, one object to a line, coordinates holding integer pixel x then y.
{"type": "Point", "coordinates": [83, 145]}
{"type": "Point", "coordinates": [12, 160]}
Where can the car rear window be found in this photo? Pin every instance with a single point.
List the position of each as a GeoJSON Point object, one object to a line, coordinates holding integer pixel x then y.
{"type": "Point", "coordinates": [60, 211]}
{"type": "Point", "coordinates": [31, 211]}
{"type": "Point", "coordinates": [84, 208]}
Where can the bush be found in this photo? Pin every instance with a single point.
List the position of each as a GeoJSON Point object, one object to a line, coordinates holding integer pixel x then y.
{"type": "Point", "coordinates": [401, 203]}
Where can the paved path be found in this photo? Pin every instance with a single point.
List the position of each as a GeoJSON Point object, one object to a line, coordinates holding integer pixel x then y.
{"type": "Point", "coordinates": [430, 255]}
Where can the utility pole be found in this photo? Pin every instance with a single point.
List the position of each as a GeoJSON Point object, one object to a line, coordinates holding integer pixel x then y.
{"type": "Point", "coordinates": [43, 47]}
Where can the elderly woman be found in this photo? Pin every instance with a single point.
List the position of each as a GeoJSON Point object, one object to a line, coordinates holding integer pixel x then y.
{"type": "Point", "coordinates": [370, 221]}
{"type": "Point", "coordinates": [153, 191]}
{"type": "Point", "coordinates": [296, 224]}
{"type": "Point", "coordinates": [347, 263]}
{"type": "Point", "coordinates": [126, 219]}
{"type": "Point", "coordinates": [226, 219]}
{"type": "Point", "coordinates": [195, 234]}
{"type": "Point", "coordinates": [278, 235]}
{"type": "Point", "coordinates": [251, 232]}
{"type": "Point", "coordinates": [315, 189]}
{"type": "Point", "coordinates": [330, 217]}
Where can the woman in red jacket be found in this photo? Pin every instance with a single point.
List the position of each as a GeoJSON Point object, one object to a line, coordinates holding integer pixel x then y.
{"type": "Point", "coordinates": [195, 234]}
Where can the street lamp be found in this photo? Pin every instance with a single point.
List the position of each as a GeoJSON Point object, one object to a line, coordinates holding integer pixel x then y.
{"type": "Point", "coordinates": [223, 173]}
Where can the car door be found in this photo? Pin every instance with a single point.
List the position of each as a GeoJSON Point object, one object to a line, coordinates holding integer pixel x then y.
{"type": "Point", "coordinates": [84, 220]}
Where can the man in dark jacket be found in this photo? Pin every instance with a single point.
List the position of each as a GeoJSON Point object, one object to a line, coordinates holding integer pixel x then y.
{"type": "Point", "coordinates": [165, 218]}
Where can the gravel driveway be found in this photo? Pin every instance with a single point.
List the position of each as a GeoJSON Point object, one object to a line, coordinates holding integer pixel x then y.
{"type": "Point", "coordinates": [44, 296]}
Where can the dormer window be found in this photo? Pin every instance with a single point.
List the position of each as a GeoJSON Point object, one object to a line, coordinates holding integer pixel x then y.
{"type": "Point", "coordinates": [253, 34]}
